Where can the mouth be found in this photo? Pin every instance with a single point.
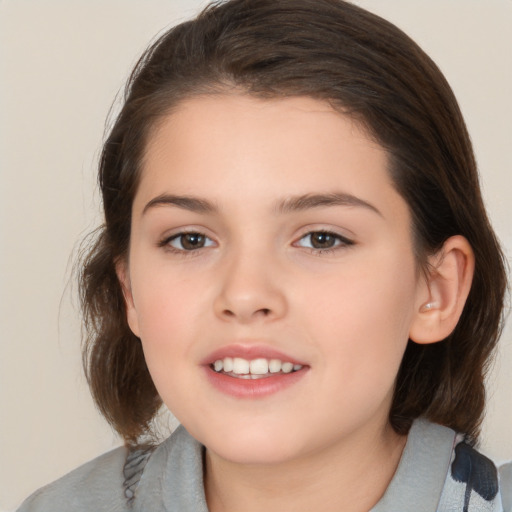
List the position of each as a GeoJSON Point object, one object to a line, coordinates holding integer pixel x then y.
{"type": "Point", "coordinates": [252, 372]}
{"type": "Point", "coordinates": [253, 369]}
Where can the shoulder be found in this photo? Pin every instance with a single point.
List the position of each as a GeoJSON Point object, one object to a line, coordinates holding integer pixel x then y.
{"type": "Point", "coordinates": [440, 472]}
{"type": "Point", "coordinates": [97, 485]}
{"type": "Point", "coordinates": [472, 481]}
{"type": "Point", "coordinates": [122, 480]}
{"type": "Point", "coordinates": [506, 486]}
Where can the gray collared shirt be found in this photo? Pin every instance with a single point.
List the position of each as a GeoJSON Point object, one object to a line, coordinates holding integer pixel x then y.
{"type": "Point", "coordinates": [438, 472]}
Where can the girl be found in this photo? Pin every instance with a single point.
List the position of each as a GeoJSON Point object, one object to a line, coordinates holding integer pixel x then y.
{"type": "Point", "coordinates": [296, 260]}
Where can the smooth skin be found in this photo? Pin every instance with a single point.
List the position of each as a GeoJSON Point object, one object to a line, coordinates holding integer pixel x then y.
{"type": "Point", "coordinates": [229, 246]}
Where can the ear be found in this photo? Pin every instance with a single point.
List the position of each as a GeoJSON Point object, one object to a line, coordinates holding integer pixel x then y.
{"type": "Point", "coordinates": [441, 300]}
{"type": "Point", "coordinates": [124, 279]}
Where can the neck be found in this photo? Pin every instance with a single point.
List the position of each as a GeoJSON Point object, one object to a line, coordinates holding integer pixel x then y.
{"type": "Point", "coordinates": [351, 476]}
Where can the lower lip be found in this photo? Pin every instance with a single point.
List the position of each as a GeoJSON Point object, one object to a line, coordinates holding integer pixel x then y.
{"type": "Point", "coordinates": [253, 388]}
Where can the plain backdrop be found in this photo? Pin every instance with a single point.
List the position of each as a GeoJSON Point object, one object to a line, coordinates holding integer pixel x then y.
{"type": "Point", "coordinates": [61, 65]}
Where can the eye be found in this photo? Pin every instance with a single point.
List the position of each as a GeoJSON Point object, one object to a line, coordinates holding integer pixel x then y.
{"type": "Point", "coordinates": [323, 240]}
{"type": "Point", "coordinates": [188, 241]}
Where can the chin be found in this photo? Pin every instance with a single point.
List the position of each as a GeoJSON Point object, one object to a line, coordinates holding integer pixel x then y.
{"type": "Point", "coordinates": [254, 454]}
{"type": "Point", "coordinates": [253, 446]}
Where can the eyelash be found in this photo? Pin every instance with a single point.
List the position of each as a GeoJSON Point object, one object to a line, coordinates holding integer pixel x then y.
{"type": "Point", "coordinates": [340, 241]}
{"type": "Point", "coordinates": [166, 243]}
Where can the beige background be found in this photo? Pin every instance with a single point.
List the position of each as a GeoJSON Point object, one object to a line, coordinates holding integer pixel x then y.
{"type": "Point", "coordinates": [61, 64]}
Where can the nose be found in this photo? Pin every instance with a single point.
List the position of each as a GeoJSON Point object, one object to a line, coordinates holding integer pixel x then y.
{"type": "Point", "coordinates": [251, 290]}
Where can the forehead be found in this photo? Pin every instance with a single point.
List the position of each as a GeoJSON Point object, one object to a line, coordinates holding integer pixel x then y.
{"type": "Point", "coordinates": [238, 116]}
{"type": "Point", "coordinates": [228, 146]}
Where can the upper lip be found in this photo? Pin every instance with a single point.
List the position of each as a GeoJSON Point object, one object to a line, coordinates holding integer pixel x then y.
{"type": "Point", "coordinates": [249, 352]}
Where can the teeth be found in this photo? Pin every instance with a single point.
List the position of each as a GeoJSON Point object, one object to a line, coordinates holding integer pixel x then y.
{"type": "Point", "coordinates": [258, 366]}
{"type": "Point", "coordinates": [240, 365]}
{"type": "Point", "coordinates": [228, 364]}
{"type": "Point", "coordinates": [287, 367]}
{"type": "Point", "coordinates": [250, 369]}
{"type": "Point", "coordinates": [274, 366]}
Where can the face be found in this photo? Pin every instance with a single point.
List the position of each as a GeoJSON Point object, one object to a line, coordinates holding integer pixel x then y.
{"type": "Point", "coordinates": [271, 275]}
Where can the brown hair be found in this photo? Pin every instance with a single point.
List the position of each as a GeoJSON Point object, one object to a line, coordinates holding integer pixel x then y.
{"type": "Point", "coordinates": [364, 67]}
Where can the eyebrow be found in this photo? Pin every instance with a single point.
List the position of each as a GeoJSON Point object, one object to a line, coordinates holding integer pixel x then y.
{"type": "Point", "coordinates": [308, 201]}
{"type": "Point", "coordinates": [291, 204]}
{"type": "Point", "coordinates": [193, 204]}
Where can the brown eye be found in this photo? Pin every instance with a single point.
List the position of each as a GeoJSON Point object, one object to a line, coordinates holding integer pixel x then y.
{"type": "Point", "coordinates": [189, 241]}
{"type": "Point", "coordinates": [323, 240]}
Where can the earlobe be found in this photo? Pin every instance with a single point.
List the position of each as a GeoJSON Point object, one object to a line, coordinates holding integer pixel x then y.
{"type": "Point", "coordinates": [124, 280]}
{"type": "Point", "coordinates": [442, 300]}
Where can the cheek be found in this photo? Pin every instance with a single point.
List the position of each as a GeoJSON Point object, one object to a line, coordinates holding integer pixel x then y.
{"type": "Point", "coordinates": [167, 308]}
{"type": "Point", "coordinates": [168, 336]}
{"type": "Point", "coordinates": [362, 317]}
